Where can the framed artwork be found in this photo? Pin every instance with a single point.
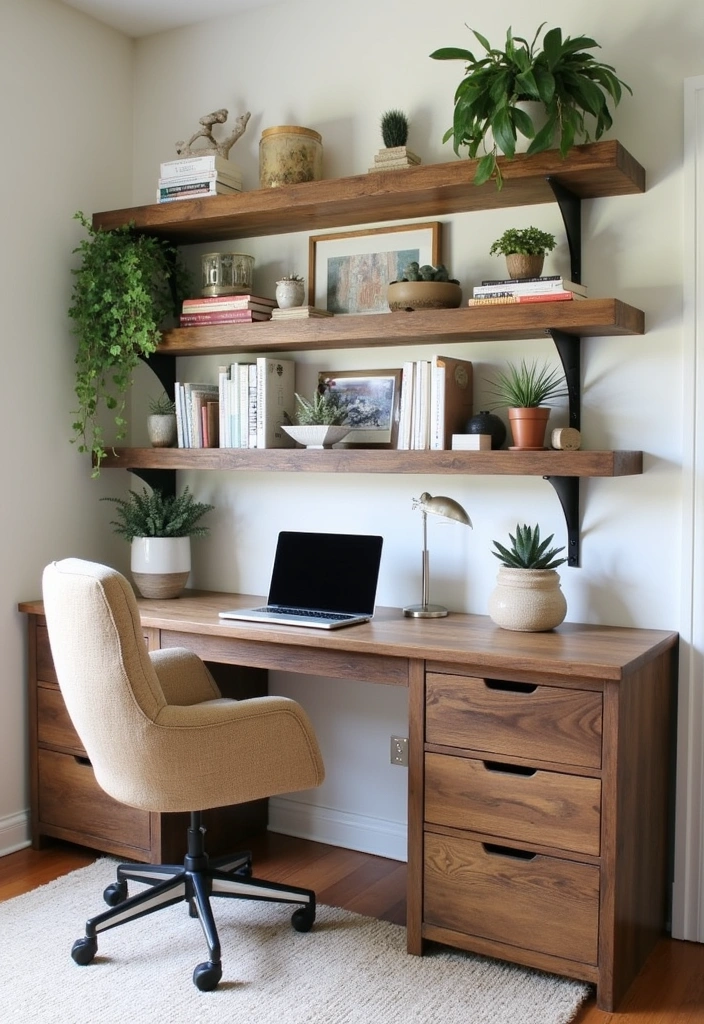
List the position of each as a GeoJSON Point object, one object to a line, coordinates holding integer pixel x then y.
{"type": "Point", "coordinates": [372, 399]}
{"type": "Point", "coordinates": [349, 272]}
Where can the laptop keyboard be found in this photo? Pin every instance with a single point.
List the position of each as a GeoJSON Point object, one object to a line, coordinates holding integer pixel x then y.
{"type": "Point", "coordinates": [335, 616]}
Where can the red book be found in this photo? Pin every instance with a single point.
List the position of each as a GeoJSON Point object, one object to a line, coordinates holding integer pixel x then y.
{"type": "Point", "coordinates": [226, 302]}
{"type": "Point", "coordinates": [227, 316]}
{"type": "Point", "coordinates": [509, 300]}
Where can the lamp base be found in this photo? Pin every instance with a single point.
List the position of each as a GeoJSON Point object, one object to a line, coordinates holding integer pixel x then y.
{"type": "Point", "coordinates": [425, 611]}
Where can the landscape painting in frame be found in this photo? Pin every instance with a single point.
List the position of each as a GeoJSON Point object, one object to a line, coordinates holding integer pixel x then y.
{"type": "Point", "coordinates": [372, 401]}
{"type": "Point", "coordinates": [350, 272]}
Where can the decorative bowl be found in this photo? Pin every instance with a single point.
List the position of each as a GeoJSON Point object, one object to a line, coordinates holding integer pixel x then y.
{"type": "Point", "coordinates": [315, 435]}
{"type": "Point", "coordinates": [410, 295]}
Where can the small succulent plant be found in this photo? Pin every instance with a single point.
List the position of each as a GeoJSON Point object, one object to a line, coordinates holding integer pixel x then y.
{"type": "Point", "coordinates": [527, 551]}
{"type": "Point", "coordinates": [162, 405]}
{"type": "Point", "coordinates": [394, 128]}
{"type": "Point", "coordinates": [326, 408]}
{"type": "Point", "coordinates": [414, 272]}
{"type": "Point", "coordinates": [291, 277]}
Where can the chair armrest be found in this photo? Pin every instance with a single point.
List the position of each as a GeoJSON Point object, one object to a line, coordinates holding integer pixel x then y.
{"type": "Point", "coordinates": [183, 676]}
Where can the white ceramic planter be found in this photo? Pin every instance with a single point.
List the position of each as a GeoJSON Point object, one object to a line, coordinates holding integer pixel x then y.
{"type": "Point", "coordinates": [314, 435]}
{"type": "Point", "coordinates": [162, 431]}
{"type": "Point", "coordinates": [290, 293]}
{"type": "Point", "coordinates": [160, 565]}
{"type": "Point", "coordinates": [527, 600]}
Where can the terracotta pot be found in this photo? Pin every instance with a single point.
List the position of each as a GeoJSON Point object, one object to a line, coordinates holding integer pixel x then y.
{"type": "Point", "coordinates": [528, 427]}
{"type": "Point", "coordinates": [520, 265]}
{"type": "Point", "coordinates": [527, 600]}
{"type": "Point", "coordinates": [410, 295]}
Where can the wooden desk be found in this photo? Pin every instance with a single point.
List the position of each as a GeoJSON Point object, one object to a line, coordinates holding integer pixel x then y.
{"type": "Point", "coordinates": [539, 771]}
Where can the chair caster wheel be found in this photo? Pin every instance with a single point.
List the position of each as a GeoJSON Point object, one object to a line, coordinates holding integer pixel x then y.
{"type": "Point", "coordinates": [206, 976]}
{"type": "Point", "coordinates": [303, 918]}
{"type": "Point", "coordinates": [84, 950]}
{"type": "Point", "coordinates": [115, 893]}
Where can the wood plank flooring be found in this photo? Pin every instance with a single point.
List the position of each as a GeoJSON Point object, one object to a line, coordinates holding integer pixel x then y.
{"type": "Point", "coordinates": [669, 990]}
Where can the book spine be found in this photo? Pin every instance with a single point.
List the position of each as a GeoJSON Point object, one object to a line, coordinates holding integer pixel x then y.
{"type": "Point", "coordinates": [179, 414]}
{"type": "Point", "coordinates": [230, 301]}
{"type": "Point", "coordinates": [252, 406]}
{"type": "Point", "coordinates": [195, 164]}
{"type": "Point", "coordinates": [235, 411]}
{"type": "Point", "coordinates": [232, 316]}
{"type": "Point", "coordinates": [406, 406]}
{"type": "Point", "coordinates": [557, 284]}
{"type": "Point", "coordinates": [189, 180]}
{"type": "Point", "coordinates": [244, 405]}
{"type": "Point", "coordinates": [275, 401]}
{"type": "Point", "coordinates": [249, 307]}
{"type": "Point", "coordinates": [164, 191]}
{"type": "Point", "coordinates": [222, 435]}
{"type": "Point", "coordinates": [521, 280]}
{"type": "Point", "coordinates": [507, 300]}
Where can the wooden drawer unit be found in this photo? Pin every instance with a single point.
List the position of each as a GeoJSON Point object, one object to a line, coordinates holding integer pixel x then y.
{"type": "Point", "coordinates": [54, 727]}
{"type": "Point", "coordinates": [524, 804]}
{"type": "Point", "coordinates": [546, 723]}
{"type": "Point", "coordinates": [512, 897]}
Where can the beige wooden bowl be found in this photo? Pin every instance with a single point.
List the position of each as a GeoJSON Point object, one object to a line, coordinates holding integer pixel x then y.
{"type": "Point", "coordinates": [410, 295]}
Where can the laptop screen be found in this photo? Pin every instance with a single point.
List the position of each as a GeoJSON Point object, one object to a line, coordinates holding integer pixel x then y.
{"type": "Point", "coordinates": [335, 572]}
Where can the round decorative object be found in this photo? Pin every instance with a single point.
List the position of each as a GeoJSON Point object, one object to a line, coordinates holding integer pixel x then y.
{"type": "Point", "coordinates": [160, 565]}
{"type": "Point", "coordinates": [161, 428]}
{"type": "Point", "coordinates": [289, 154]}
{"type": "Point", "coordinates": [316, 435]}
{"type": "Point", "coordinates": [226, 273]}
{"type": "Point", "coordinates": [290, 293]}
{"type": "Point", "coordinates": [567, 439]}
{"type": "Point", "coordinates": [519, 265]}
{"type": "Point", "coordinates": [410, 295]}
{"type": "Point", "coordinates": [527, 600]}
{"type": "Point", "coordinates": [487, 423]}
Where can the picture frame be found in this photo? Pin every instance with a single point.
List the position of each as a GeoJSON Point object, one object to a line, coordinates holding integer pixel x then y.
{"type": "Point", "coordinates": [374, 400]}
{"type": "Point", "coordinates": [349, 271]}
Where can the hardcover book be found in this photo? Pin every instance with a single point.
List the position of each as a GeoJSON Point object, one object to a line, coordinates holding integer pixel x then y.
{"type": "Point", "coordinates": [275, 401]}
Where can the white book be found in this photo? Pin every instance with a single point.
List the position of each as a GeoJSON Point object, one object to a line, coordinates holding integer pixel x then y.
{"type": "Point", "coordinates": [275, 401]}
{"type": "Point", "coordinates": [437, 404]}
{"type": "Point", "coordinates": [252, 406]}
{"type": "Point", "coordinates": [196, 164]}
{"type": "Point", "coordinates": [223, 433]}
{"type": "Point", "coordinates": [206, 188]}
{"type": "Point", "coordinates": [421, 405]}
{"type": "Point", "coordinates": [536, 287]}
{"type": "Point", "coordinates": [194, 179]}
{"type": "Point", "coordinates": [406, 406]}
{"type": "Point", "coordinates": [234, 388]}
{"type": "Point", "coordinates": [178, 402]}
{"type": "Point", "coordinates": [243, 383]}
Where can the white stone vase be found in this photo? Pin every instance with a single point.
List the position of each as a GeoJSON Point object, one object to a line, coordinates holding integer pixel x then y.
{"type": "Point", "coordinates": [160, 565]}
{"type": "Point", "coordinates": [290, 293]}
{"type": "Point", "coordinates": [527, 600]}
{"type": "Point", "coordinates": [161, 428]}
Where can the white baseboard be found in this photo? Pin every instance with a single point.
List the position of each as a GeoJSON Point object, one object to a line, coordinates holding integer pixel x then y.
{"type": "Point", "coordinates": [338, 828]}
{"type": "Point", "coordinates": [14, 832]}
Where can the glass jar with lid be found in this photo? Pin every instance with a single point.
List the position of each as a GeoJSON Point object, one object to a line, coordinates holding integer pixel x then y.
{"type": "Point", "coordinates": [226, 273]}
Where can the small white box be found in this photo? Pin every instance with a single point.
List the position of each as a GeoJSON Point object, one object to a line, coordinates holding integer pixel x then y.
{"type": "Point", "coordinates": [471, 442]}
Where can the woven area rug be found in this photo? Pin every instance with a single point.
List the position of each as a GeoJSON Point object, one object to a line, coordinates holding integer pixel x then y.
{"type": "Point", "coordinates": [348, 970]}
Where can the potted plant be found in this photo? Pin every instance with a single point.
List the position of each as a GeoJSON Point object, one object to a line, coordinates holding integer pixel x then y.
{"type": "Point", "coordinates": [571, 87]}
{"type": "Point", "coordinates": [159, 527]}
{"type": "Point", "coordinates": [394, 129]}
{"type": "Point", "coordinates": [290, 291]}
{"type": "Point", "coordinates": [424, 287]}
{"type": "Point", "coordinates": [527, 596]}
{"type": "Point", "coordinates": [321, 422]}
{"type": "Point", "coordinates": [525, 250]}
{"type": "Point", "coordinates": [161, 422]}
{"type": "Point", "coordinates": [525, 389]}
{"type": "Point", "coordinates": [125, 286]}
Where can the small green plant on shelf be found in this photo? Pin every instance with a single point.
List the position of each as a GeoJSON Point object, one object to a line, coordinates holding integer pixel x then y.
{"type": "Point", "coordinates": [414, 272]}
{"type": "Point", "coordinates": [126, 284]}
{"type": "Point", "coordinates": [162, 405]}
{"type": "Point", "coordinates": [155, 514]}
{"type": "Point", "coordinates": [394, 128]}
{"type": "Point", "coordinates": [527, 386]}
{"type": "Point", "coordinates": [524, 241]}
{"type": "Point", "coordinates": [327, 407]}
{"type": "Point", "coordinates": [527, 551]}
{"type": "Point", "coordinates": [291, 277]}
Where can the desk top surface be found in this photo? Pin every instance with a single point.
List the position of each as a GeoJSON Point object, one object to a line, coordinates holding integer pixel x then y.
{"type": "Point", "coordinates": [573, 649]}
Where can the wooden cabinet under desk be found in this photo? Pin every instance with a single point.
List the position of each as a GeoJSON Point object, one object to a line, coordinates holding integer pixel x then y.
{"type": "Point", "coordinates": [540, 773]}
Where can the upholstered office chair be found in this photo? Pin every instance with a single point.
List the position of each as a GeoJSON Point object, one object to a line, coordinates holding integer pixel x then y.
{"type": "Point", "coordinates": [160, 737]}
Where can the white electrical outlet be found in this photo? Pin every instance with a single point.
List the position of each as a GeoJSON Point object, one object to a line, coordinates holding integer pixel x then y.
{"type": "Point", "coordinates": [399, 750]}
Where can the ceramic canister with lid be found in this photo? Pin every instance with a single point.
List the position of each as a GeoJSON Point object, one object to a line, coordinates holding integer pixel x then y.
{"type": "Point", "coordinates": [289, 154]}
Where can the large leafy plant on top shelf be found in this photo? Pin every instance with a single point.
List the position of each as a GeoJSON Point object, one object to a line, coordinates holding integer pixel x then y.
{"type": "Point", "coordinates": [570, 84]}
{"type": "Point", "coordinates": [125, 285]}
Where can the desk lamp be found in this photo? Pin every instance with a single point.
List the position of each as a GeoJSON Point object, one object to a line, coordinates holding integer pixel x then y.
{"type": "Point", "coordinates": [448, 509]}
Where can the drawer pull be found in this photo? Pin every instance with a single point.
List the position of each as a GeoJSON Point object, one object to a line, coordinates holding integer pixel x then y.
{"type": "Point", "coordinates": [508, 851]}
{"type": "Point", "coordinates": [84, 761]}
{"type": "Point", "coordinates": [505, 684]}
{"type": "Point", "coordinates": [509, 769]}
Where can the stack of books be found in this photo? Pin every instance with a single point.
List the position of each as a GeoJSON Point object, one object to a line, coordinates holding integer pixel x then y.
{"type": "Point", "coordinates": [226, 309]}
{"type": "Point", "coordinates": [197, 415]}
{"type": "Point", "coordinates": [298, 313]}
{"type": "Point", "coordinates": [197, 176]}
{"type": "Point", "coordinates": [527, 289]}
{"type": "Point", "coordinates": [436, 402]}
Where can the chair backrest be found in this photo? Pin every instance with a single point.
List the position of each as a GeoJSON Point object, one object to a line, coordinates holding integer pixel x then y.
{"type": "Point", "coordinates": [107, 680]}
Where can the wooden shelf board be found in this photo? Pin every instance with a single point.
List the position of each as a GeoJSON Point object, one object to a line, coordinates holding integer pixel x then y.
{"type": "Point", "coordinates": [367, 460]}
{"type": "Point", "coordinates": [590, 171]}
{"type": "Point", "coordinates": [581, 318]}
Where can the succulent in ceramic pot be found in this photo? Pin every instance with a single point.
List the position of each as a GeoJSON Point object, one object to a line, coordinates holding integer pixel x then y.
{"type": "Point", "coordinates": [527, 597]}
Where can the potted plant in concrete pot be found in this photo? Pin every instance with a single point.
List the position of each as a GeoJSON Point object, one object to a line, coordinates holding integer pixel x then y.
{"type": "Point", "coordinates": [125, 286]}
{"type": "Point", "coordinates": [161, 422]}
{"type": "Point", "coordinates": [322, 420]}
{"type": "Point", "coordinates": [527, 597]}
{"type": "Point", "coordinates": [159, 527]}
{"type": "Point", "coordinates": [525, 389]}
{"type": "Point", "coordinates": [424, 287]}
{"type": "Point", "coordinates": [525, 250]}
{"type": "Point", "coordinates": [570, 86]}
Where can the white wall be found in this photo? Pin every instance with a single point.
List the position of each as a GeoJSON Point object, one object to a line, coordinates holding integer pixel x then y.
{"type": "Point", "coordinates": [66, 108]}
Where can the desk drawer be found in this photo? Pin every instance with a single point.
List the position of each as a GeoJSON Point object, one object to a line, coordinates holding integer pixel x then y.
{"type": "Point", "coordinates": [538, 902]}
{"type": "Point", "coordinates": [45, 662]}
{"type": "Point", "coordinates": [70, 798]}
{"type": "Point", "coordinates": [54, 727]}
{"type": "Point", "coordinates": [546, 723]}
{"type": "Point", "coordinates": [525, 805]}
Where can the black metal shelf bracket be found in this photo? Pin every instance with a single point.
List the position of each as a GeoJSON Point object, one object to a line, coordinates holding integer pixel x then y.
{"type": "Point", "coordinates": [163, 480]}
{"type": "Point", "coordinates": [571, 209]}
{"type": "Point", "coordinates": [567, 488]}
{"type": "Point", "coordinates": [569, 349]}
{"type": "Point", "coordinates": [164, 368]}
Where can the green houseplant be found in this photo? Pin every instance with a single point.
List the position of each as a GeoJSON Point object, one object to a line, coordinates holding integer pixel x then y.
{"type": "Point", "coordinates": [161, 421]}
{"type": "Point", "coordinates": [525, 250]}
{"type": "Point", "coordinates": [525, 389]}
{"type": "Point", "coordinates": [394, 129]}
{"type": "Point", "coordinates": [159, 528]}
{"type": "Point", "coordinates": [322, 420]}
{"type": "Point", "coordinates": [571, 86]}
{"type": "Point", "coordinates": [527, 596]}
{"type": "Point", "coordinates": [125, 285]}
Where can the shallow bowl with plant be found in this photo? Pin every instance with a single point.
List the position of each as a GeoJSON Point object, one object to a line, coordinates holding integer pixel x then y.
{"type": "Point", "coordinates": [321, 421]}
{"type": "Point", "coordinates": [424, 287]}
{"type": "Point", "coordinates": [527, 596]}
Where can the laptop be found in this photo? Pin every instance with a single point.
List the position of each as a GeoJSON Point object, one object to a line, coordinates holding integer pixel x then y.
{"type": "Point", "coordinates": [324, 580]}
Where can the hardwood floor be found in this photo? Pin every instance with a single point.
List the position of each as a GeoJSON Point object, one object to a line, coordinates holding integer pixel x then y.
{"type": "Point", "coordinates": [669, 990]}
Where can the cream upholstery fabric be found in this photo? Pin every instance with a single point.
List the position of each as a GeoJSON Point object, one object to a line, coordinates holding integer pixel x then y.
{"type": "Point", "coordinates": [155, 727]}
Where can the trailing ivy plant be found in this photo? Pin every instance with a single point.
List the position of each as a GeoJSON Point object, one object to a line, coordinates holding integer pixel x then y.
{"type": "Point", "coordinates": [125, 285]}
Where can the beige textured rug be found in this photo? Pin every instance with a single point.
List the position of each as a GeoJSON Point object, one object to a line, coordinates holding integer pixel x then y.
{"type": "Point", "coordinates": [348, 970]}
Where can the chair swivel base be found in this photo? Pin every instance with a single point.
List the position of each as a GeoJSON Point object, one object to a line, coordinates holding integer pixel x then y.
{"type": "Point", "coordinates": [195, 882]}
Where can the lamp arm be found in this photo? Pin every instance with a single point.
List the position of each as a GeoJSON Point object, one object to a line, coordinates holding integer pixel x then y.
{"type": "Point", "coordinates": [426, 563]}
